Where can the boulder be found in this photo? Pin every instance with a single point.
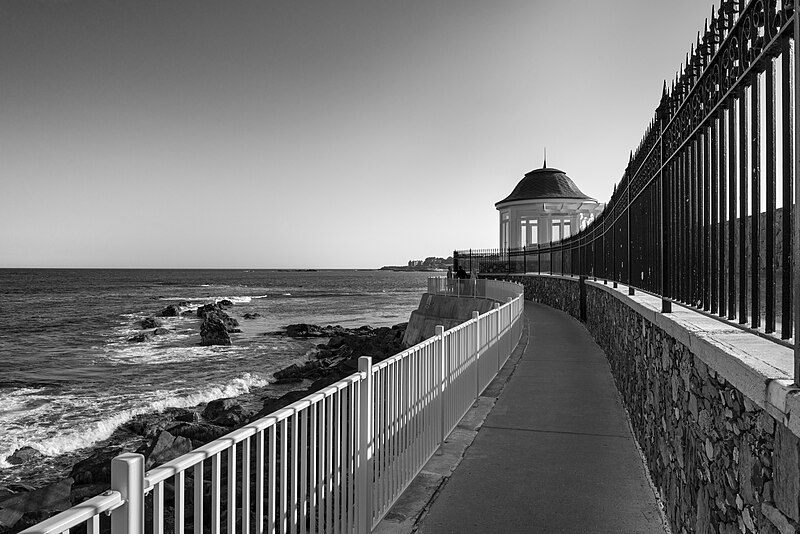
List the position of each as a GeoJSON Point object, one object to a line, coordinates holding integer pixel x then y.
{"type": "Point", "coordinates": [165, 448]}
{"type": "Point", "coordinates": [161, 331]}
{"type": "Point", "coordinates": [251, 315]}
{"type": "Point", "coordinates": [48, 500]}
{"type": "Point", "coordinates": [225, 412]}
{"type": "Point", "coordinates": [304, 330]}
{"type": "Point", "coordinates": [96, 469]}
{"type": "Point", "coordinates": [150, 425]}
{"type": "Point", "coordinates": [200, 432]}
{"type": "Point", "coordinates": [140, 338]}
{"type": "Point", "coordinates": [214, 332]}
{"type": "Point", "coordinates": [86, 491]}
{"type": "Point", "coordinates": [224, 302]}
{"type": "Point", "coordinates": [295, 373]}
{"type": "Point", "coordinates": [272, 404]}
{"type": "Point", "coordinates": [203, 310]}
{"type": "Point", "coordinates": [149, 322]}
{"type": "Point", "coordinates": [173, 310]}
{"type": "Point", "coordinates": [23, 455]}
{"type": "Point", "coordinates": [188, 417]}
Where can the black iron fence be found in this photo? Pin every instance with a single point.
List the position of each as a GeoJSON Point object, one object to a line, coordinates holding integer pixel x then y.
{"type": "Point", "coordinates": [703, 214]}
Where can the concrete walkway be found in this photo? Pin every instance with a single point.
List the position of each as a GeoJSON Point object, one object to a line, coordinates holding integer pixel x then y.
{"type": "Point", "coordinates": [555, 453]}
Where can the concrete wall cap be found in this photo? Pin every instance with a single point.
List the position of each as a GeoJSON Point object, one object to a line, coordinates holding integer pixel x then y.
{"type": "Point", "coordinates": [759, 368]}
{"type": "Point", "coordinates": [762, 370]}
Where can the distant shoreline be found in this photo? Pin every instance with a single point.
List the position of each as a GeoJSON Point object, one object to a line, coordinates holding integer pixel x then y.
{"type": "Point", "coordinates": [402, 268]}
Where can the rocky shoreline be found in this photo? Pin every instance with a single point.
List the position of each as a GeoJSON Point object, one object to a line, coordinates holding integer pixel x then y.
{"type": "Point", "coordinates": [165, 435]}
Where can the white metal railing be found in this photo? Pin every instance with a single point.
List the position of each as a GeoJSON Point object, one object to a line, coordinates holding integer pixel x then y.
{"type": "Point", "coordinates": [334, 461]}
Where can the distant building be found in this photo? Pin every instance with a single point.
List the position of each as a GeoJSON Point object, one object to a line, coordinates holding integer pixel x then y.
{"type": "Point", "coordinates": [545, 206]}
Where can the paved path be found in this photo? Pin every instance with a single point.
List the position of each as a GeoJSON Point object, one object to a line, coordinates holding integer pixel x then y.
{"type": "Point", "coordinates": [555, 454]}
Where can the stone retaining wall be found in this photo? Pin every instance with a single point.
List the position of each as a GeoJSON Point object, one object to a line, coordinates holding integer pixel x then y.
{"type": "Point", "coordinates": [721, 463]}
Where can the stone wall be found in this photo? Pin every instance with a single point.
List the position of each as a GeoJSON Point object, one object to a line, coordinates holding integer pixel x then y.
{"type": "Point", "coordinates": [721, 463]}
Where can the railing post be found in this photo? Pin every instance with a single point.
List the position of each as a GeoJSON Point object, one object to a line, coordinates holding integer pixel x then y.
{"type": "Point", "coordinates": [127, 477]}
{"type": "Point", "coordinates": [497, 333]}
{"type": "Point", "coordinates": [510, 335]}
{"type": "Point", "coordinates": [442, 378]}
{"type": "Point", "coordinates": [524, 259]}
{"type": "Point", "coordinates": [796, 212]}
{"type": "Point", "coordinates": [475, 316]}
{"type": "Point", "coordinates": [365, 447]}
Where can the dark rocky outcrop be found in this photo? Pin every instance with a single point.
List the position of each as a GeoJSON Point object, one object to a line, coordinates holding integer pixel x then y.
{"type": "Point", "coordinates": [198, 432]}
{"type": "Point", "coordinates": [224, 303]}
{"type": "Point", "coordinates": [335, 359]}
{"type": "Point", "coordinates": [216, 325]}
{"type": "Point", "coordinates": [251, 315]}
{"type": "Point", "coordinates": [303, 330]}
{"type": "Point", "coordinates": [173, 310]}
{"type": "Point", "coordinates": [161, 331]}
{"type": "Point", "coordinates": [165, 448]}
{"type": "Point", "coordinates": [151, 424]}
{"type": "Point", "coordinates": [96, 469]}
{"type": "Point", "coordinates": [214, 332]}
{"type": "Point", "coordinates": [141, 338]}
{"type": "Point", "coordinates": [149, 322]}
{"type": "Point", "coordinates": [225, 412]}
{"type": "Point", "coordinates": [23, 455]}
{"type": "Point", "coordinates": [39, 505]}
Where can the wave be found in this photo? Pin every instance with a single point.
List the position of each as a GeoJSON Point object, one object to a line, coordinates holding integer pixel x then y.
{"type": "Point", "coordinates": [56, 441]}
{"type": "Point", "coordinates": [197, 301]}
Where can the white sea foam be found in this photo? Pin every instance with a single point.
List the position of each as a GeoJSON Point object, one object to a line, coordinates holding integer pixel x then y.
{"type": "Point", "coordinates": [55, 439]}
{"type": "Point", "coordinates": [236, 299]}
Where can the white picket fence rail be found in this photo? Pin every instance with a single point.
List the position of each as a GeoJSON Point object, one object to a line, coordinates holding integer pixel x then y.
{"type": "Point", "coordinates": [334, 461]}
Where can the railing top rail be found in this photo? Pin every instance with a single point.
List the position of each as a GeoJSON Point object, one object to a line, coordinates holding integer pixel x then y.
{"type": "Point", "coordinates": [78, 514]}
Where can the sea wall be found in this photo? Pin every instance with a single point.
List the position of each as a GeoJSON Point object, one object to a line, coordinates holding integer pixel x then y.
{"type": "Point", "coordinates": [711, 406]}
{"type": "Point", "coordinates": [445, 310]}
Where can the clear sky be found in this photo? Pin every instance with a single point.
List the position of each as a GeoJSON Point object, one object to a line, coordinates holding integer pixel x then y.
{"type": "Point", "coordinates": [310, 133]}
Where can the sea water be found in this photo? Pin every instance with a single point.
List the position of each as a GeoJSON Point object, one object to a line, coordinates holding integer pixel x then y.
{"type": "Point", "coordinates": [69, 374]}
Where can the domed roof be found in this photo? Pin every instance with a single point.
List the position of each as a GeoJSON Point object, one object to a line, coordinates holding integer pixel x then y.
{"type": "Point", "coordinates": [545, 183]}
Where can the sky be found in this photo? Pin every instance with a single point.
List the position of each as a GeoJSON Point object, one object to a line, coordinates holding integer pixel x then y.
{"type": "Point", "coordinates": [310, 133]}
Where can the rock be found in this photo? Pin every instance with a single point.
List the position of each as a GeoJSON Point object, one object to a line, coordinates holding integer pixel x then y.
{"type": "Point", "coordinates": [224, 302]}
{"type": "Point", "coordinates": [251, 315]}
{"type": "Point", "coordinates": [150, 425]}
{"type": "Point", "coordinates": [140, 338]}
{"type": "Point", "coordinates": [173, 310]}
{"type": "Point", "coordinates": [95, 469]}
{"type": "Point", "coordinates": [188, 417]}
{"type": "Point", "coordinates": [225, 412]}
{"type": "Point", "coordinates": [203, 310]}
{"type": "Point", "coordinates": [161, 331]}
{"type": "Point", "coordinates": [86, 491]}
{"type": "Point", "coordinates": [271, 404]}
{"type": "Point", "coordinates": [292, 371]}
{"type": "Point", "coordinates": [201, 432]}
{"type": "Point", "coordinates": [149, 322]}
{"type": "Point", "coordinates": [53, 498]}
{"type": "Point", "coordinates": [165, 448]}
{"type": "Point", "coordinates": [214, 332]}
{"type": "Point", "coordinates": [303, 330]}
{"type": "Point", "coordinates": [23, 455]}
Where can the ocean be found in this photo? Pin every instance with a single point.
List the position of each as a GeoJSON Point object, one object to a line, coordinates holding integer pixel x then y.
{"type": "Point", "coordinates": [69, 374]}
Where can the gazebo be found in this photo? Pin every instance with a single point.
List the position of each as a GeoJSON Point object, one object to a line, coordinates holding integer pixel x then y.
{"type": "Point", "coordinates": [545, 206]}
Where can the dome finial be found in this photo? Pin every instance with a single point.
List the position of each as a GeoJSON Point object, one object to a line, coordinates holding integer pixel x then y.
{"type": "Point", "coordinates": [544, 165]}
